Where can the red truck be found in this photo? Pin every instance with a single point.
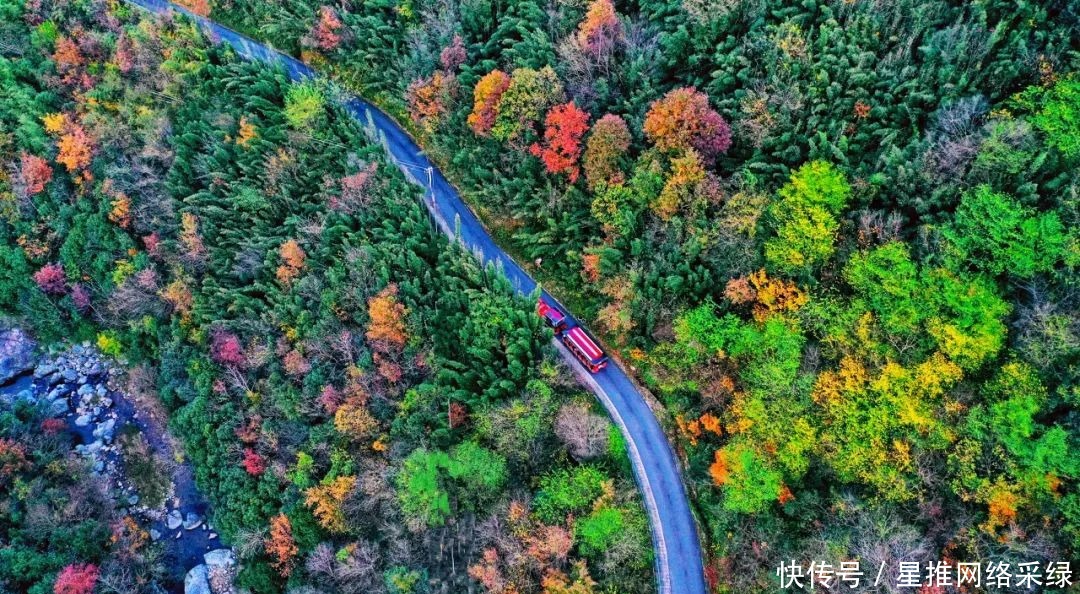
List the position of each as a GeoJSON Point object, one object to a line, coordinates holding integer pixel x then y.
{"type": "Point", "coordinates": [575, 338]}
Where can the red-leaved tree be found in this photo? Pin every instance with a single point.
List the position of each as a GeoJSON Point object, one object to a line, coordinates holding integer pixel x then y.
{"type": "Point", "coordinates": [683, 119]}
{"type": "Point", "coordinates": [565, 125]}
{"type": "Point", "coordinates": [34, 173]}
{"type": "Point", "coordinates": [76, 579]}
{"type": "Point", "coordinates": [50, 279]}
{"type": "Point", "coordinates": [12, 459]}
{"type": "Point", "coordinates": [80, 297]}
{"type": "Point", "coordinates": [326, 33]}
{"type": "Point", "coordinates": [330, 398]}
{"type": "Point", "coordinates": [453, 55]}
{"type": "Point", "coordinates": [225, 348]}
{"type": "Point", "coordinates": [458, 414]}
{"type": "Point", "coordinates": [253, 463]}
{"type": "Point", "coordinates": [53, 426]}
{"type": "Point", "coordinates": [354, 193]}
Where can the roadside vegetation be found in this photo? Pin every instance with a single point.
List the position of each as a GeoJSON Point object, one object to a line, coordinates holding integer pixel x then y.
{"type": "Point", "coordinates": [836, 238]}
{"type": "Point", "coordinates": [365, 407]}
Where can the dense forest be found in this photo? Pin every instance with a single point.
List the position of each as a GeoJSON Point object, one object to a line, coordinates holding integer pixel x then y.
{"type": "Point", "coordinates": [367, 409]}
{"type": "Point", "coordinates": [837, 239]}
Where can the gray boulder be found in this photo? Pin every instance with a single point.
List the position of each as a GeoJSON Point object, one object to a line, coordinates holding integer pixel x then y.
{"type": "Point", "coordinates": [44, 369]}
{"type": "Point", "coordinates": [192, 521]}
{"type": "Point", "coordinates": [16, 353]}
{"type": "Point", "coordinates": [94, 447]}
{"type": "Point", "coordinates": [82, 420]}
{"type": "Point", "coordinates": [59, 407]}
{"type": "Point", "coordinates": [173, 520]}
{"type": "Point", "coordinates": [197, 581]}
{"type": "Point", "coordinates": [219, 558]}
{"type": "Point", "coordinates": [105, 430]}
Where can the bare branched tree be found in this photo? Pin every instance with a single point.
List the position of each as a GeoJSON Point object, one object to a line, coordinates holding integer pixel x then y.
{"type": "Point", "coordinates": [584, 433]}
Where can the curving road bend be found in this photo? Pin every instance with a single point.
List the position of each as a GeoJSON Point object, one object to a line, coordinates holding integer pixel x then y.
{"type": "Point", "coordinates": [675, 539]}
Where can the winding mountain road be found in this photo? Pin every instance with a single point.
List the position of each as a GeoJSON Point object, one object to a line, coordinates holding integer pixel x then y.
{"type": "Point", "coordinates": [675, 539]}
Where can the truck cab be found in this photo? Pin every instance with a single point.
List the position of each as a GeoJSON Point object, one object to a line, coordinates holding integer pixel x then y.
{"type": "Point", "coordinates": [552, 316]}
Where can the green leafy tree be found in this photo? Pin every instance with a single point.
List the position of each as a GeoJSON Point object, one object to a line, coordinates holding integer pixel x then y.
{"type": "Point", "coordinates": [530, 94]}
{"type": "Point", "coordinates": [421, 491]}
{"type": "Point", "coordinates": [1057, 114]}
{"type": "Point", "coordinates": [568, 492]}
{"type": "Point", "coordinates": [996, 234]}
{"type": "Point", "coordinates": [303, 103]}
{"type": "Point", "coordinates": [480, 472]}
{"type": "Point", "coordinates": [750, 484]}
{"type": "Point", "coordinates": [805, 218]}
{"type": "Point", "coordinates": [596, 532]}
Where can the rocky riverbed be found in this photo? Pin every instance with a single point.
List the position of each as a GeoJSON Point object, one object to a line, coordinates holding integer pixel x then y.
{"type": "Point", "coordinates": [81, 386]}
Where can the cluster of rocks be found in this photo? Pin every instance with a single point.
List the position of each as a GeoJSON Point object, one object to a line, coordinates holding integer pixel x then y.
{"type": "Point", "coordinates": [77, 388]}
{"type": "Point", "coordinates": [77, 385]}
{"type": "Point", "coordinates": [214, 575]}
{"type": "Point", "coordinates": [175, 520]}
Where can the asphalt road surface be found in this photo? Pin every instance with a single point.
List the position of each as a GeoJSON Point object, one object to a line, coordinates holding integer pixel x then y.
{"type": "Point", "coordinates": [675, 539]}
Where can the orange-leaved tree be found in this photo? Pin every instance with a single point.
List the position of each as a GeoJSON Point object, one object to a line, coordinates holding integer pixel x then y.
{"type": "Point", "coordinates": [682, 119]}
{"type": "Point", "coordinates": [386, 328]}
{"type": "Point", "coordinates": [280, 545]}
{"type": "Point", "coordinates": [486, 95]}
{"type": "Point", "coordinates": [326, 502]}
{"type": "Point", "coordinates": [600, 31]}
{"type": "Point", "coordinates": [292, 261]}
{"type": "Point", "coordinates": [74, 148]}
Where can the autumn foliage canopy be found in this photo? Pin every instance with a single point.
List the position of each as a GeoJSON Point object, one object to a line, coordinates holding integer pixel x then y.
{"type": "Point", "coordinates": [76, 579]}
{"type": "Point", "coordinates": [683, 119]}
{"type": "Point", "coordinates": [280, 545]}
{"type": "Point", "coordinates": [35, 173]}
{"type": "Point", "coordinates": [386, 330]}
{"type": "Point", "coordinates": [486, 97]}
{"type": "Point", "coordinates": [600, 30]}
{"type": "Point", "coordinates": [565, 125]}
{"type": "Point", "coordinates": [607, 144]}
